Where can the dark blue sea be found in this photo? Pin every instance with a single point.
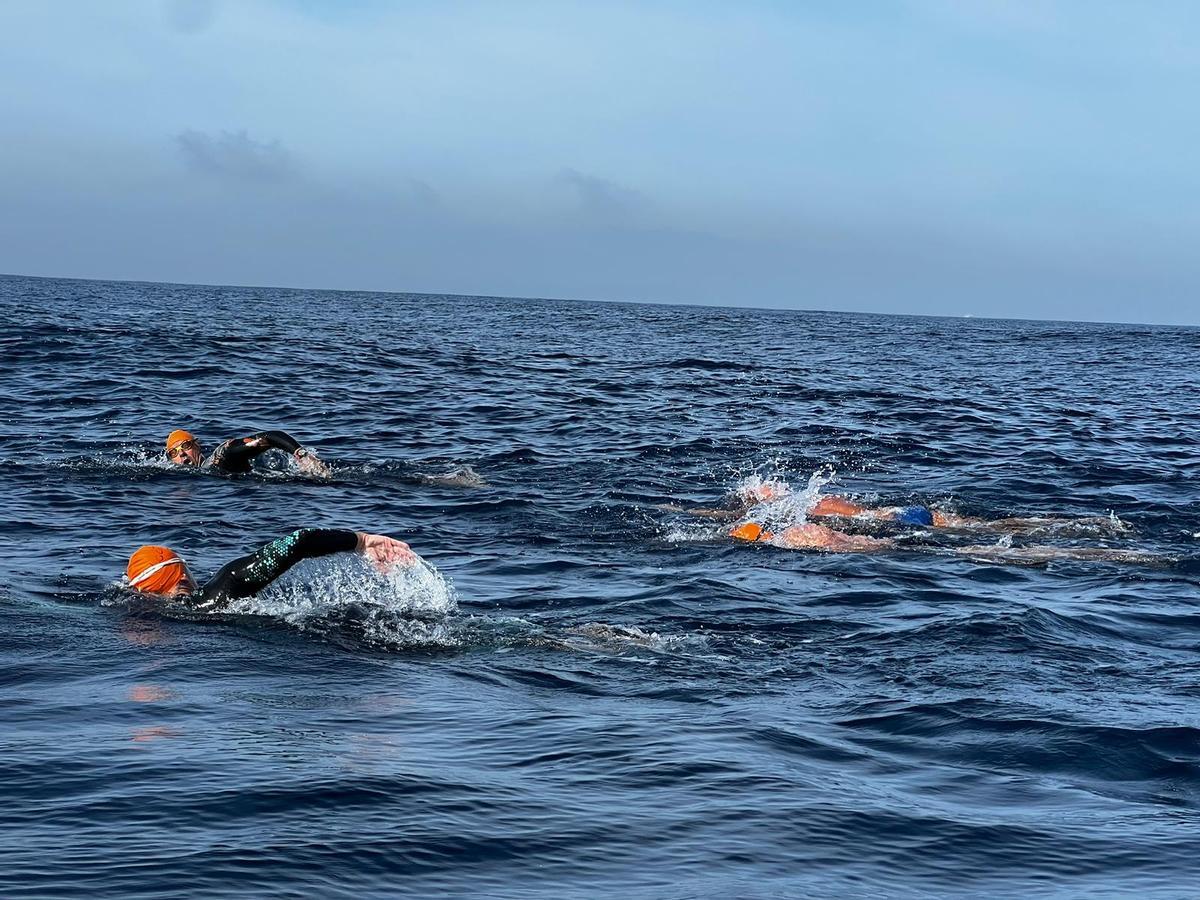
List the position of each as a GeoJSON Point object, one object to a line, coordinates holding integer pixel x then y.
{"type": "Point", "coordinates": [579, 693]}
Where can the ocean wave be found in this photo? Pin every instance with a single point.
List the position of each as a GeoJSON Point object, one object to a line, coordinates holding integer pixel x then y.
{"type": "Point", "coordinates": [992, 735]}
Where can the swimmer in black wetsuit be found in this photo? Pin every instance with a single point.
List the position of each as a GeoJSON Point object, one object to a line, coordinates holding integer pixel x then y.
{"type": "Point", "coordinates": [236, 455]}
{"type": "Point", "coordinates": [160, 571]}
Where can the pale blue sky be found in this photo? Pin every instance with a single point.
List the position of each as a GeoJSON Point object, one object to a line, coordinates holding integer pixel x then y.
{"type": "Point", "coordinates": [927, 156]}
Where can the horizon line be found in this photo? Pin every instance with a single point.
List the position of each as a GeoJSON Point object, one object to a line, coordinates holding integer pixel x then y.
{"type": "Point", "coordinates": [781, 309]}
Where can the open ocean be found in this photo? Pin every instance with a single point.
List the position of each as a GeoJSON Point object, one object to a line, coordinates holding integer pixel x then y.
{"type": "Point", "coordinates": [582, 694]}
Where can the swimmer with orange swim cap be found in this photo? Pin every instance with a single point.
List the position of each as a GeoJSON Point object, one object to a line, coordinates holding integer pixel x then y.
{"type": "Point", "coordinates": [810, 536]}
{"type": "Point", "coordinates": [236, 455]}
{"type": "Point", "coordinates": [746, 497]}
{"type": "Point", "coordinates": [836, 506]}
{"type": "Point", "coordinates": [162, 572]}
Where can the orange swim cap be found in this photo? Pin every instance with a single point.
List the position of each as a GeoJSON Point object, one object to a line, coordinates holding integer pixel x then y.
{"type": "Point", "coordinates": [177, 437]}
{"type": "Point", "coordinates": [751, 531]}
{"type": "Point", "coordinates": [155, 570]}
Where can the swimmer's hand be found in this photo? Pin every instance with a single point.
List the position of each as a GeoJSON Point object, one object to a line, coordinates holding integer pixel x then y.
{"type": "Point", "coordinates": [724, 514]}
{"type": "Point", "coordinates": [384, 552]}
{"type": "Point", "coordinates": [309, 464]}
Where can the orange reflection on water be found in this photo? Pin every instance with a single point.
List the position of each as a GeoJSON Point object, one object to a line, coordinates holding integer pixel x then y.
{"type": "Point", "coordinates": [143, 632]}
{"type": "Point", "coordinates": [148, 733]}
{"type": "Point", "coordinates": [150, 693]}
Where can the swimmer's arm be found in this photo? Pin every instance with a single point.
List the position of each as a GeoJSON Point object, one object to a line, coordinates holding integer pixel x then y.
{"type": "Point", "coordinates": [236, 454]}
{"type": "Point", "coordinates": [1032, 555]}
{"type": "Point", "coordinates": [953, 520]}
{"type": "Point", "coordinates": [727, 515]}
{"type": "Point", "coordinates": [820, 537]}
{"type": "Point", "coordinates": [837, 505]}
{"type": "Point", "coordinates": [1035, 523]}
{"type": "Point", "coordinates": [245, 449]}
{"type": "Point", "coordinates": [281, 440]}
{"type": "Point", "coordinates": [277, 440]}
{"type": "Point", "coordinates": [1023, 524]}
{"type": "Point", "coordinates": [251, 573]}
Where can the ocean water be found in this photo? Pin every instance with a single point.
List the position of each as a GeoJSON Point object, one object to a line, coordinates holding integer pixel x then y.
{"type": "Point", "coordinates": [579, 693]}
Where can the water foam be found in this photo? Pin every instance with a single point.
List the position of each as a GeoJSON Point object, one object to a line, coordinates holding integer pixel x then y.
{"type": "Point", "coordinates": [619, 637]}
{"type": "Point", "coordinates": [270, 464]}
{"type": "Point", "coordinates": [128, 456]}
{"type": "Point", "coordinates": [408, 606]}
{"type": "Point", "coordinates": [784, 505]}
{"type": "Point", "coordinates": [458, 476]}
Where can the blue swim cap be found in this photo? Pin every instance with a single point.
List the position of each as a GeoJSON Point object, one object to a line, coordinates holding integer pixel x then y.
{"type": "Point", "coordinates": [914, 515]}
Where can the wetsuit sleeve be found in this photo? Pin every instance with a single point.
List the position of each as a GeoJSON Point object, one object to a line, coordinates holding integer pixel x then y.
{"type": "Point", "coordinates": [236, 455]}
{"type": "Point", "coordinates": [279, 440]}
{"type": "Point", "coordinates": [251, 573]}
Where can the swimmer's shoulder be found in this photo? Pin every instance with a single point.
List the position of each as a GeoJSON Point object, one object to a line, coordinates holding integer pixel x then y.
{"type": "Point", "coordinates": [219, 458]}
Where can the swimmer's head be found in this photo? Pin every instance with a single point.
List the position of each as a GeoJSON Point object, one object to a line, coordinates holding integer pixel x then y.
{"type": "Point", "coordinates": [183, 449]}
{"type": "Point", "coordinates": [159, 571]}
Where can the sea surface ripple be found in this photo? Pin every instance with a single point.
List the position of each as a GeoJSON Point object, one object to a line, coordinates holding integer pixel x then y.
{"type": "Point", "coordinates": [583, 694]}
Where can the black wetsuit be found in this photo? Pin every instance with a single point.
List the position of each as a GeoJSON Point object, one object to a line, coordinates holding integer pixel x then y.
{"type": "Point", "coordinates": [236, 457]}
{"type": "Point", "coordinates": [251, 573]}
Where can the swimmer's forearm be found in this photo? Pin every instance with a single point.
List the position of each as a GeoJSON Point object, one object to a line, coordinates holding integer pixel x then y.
{"type": "Point", "coordinates": [253, 572]}
{"type": "Point", "coordinates": [728, 514]}
{"type": "Point", "coordinates": [279, 440]}
{"type": "Point", "coordinates": [324, 541]}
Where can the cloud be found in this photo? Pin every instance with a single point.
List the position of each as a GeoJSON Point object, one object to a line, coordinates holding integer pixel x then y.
{"type": "Point", "coordinates": [234, 154]}
{"type": "Point", "coordinates": [601, 198]}
{"type": "Point", "coordinates": [918, 155]}
{"type": "Point", "coordinates": [190, 16]}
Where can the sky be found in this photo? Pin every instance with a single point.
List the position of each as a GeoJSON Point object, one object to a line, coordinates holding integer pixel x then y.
{"type": "Point", "coordinates": [945, 157]}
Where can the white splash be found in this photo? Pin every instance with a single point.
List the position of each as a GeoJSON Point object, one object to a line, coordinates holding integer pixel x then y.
{"type": "Point", "coordinates": [694, 532]}
{"type": "Point", "coordinates": [130, 456]}
{"type": "Point", "coordinates": [458, 476]}
{"type": "Point", "coordinates": [407, 605]}
{"type": "Point", "coordinates": [769, 500]}
{"type": "Point", "coordinates": [599, 635]}
{"type": "Point", "coordinates": [775, 504]}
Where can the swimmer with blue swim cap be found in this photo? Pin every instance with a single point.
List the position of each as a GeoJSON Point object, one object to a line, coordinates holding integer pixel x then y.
{"type": "Point", "coordinates": [755, 493]}
{"type": "Point", "coordinates": [811, 536]}
{"type": "Point", "coordinates": [922, 516]}
{"type": "Point", "coordinates": [746, 497]}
